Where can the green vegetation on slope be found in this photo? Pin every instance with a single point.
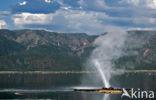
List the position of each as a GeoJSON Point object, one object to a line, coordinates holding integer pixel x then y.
{"type": "Point", "coordinates": [9, 47]}
{"type": "Point", "coordinates": [142, 56]}
{"type": "Point", "coordinates": [43, 50]}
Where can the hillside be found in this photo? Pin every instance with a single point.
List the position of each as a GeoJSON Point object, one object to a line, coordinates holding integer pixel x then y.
{"type": "Point", "coordinates": [9, 46]}
{"type": "Point", "coordinates": [44, 50]}
{"type": "Point", "coordinates": [141, 56]}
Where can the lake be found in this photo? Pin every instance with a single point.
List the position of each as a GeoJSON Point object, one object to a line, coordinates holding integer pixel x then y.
{"type": "Point", "coordinates": [60, 86]}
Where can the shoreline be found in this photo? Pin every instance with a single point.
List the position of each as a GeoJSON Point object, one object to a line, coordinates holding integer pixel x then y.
{"type": "Point", "coordinates": [71, 72]}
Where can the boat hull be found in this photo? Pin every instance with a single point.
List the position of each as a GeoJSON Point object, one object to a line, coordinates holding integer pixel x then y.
{"type": "Point", "coordinates": [103, 90]}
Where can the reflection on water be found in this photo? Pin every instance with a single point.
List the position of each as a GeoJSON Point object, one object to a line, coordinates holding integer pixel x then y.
{"type": "Point", "coordinates": [60, 86]}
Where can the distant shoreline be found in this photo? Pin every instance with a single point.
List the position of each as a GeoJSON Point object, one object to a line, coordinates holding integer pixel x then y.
{"type": "Point", "coordinates": [71, 72]}
{"type": "Point", "coordinates": [45, 72]}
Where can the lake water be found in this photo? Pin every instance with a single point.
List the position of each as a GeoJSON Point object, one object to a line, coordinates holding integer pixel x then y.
{"type": "Point", "coordinates": [60, 86]}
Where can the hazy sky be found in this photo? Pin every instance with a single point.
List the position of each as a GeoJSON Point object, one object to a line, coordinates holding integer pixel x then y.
{"type": "Point", "coordinates": [90, 16]}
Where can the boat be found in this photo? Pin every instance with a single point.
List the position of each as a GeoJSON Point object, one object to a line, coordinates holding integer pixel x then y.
{"type": "Point", "coordinates": [103, 90]}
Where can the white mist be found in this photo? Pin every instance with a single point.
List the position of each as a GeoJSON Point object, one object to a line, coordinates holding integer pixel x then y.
{"type": "Point", "coordinates": [109, 47]}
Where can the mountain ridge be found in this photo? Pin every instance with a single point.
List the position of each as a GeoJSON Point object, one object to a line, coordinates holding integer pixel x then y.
{"type": "Point", "coordinates": [43, 50]}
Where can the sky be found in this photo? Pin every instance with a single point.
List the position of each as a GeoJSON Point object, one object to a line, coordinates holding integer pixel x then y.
{"type": "Point", "coordinates": [75, 16]}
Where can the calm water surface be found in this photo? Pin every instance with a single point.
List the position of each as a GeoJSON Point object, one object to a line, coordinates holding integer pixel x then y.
{"type": "Point", "coordinates": [60, 86]}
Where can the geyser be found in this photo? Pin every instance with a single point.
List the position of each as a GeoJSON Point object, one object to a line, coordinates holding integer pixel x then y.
{"type": "Point", "coordinates": [99, 68]}
{"type": "Point", "coordinates": [109, 47]}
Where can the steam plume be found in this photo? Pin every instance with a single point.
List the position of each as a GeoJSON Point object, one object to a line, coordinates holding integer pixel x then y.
{"type": "Point", "coordinates": [109, 48]}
